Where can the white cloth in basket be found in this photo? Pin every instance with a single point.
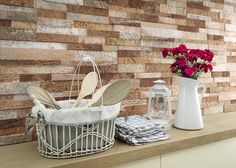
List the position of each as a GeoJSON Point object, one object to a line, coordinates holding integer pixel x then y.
{"type": "Point", "coordinates": [80, 114]}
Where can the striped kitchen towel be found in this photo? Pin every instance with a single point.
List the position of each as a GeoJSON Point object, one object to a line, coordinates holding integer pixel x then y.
{"type": "Point", "coordinates": [138, 130]}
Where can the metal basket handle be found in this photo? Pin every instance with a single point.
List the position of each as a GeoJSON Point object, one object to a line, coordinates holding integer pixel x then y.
{"type": "Point", "coordinates": [30, 122]}
{"type": "Point", "coordinates": [95, 69]}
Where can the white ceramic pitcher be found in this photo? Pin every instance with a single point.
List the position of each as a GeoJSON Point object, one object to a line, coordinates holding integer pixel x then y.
{"type": "Point", "coordinates": [188, 113]}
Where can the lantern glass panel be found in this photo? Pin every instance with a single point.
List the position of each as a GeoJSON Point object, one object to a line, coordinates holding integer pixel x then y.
{"type": "Point", "coordinates": [159, 105]}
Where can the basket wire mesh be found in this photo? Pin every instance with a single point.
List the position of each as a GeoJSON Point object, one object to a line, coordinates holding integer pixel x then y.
{"type": "Point", "coordinates": [67, 141]}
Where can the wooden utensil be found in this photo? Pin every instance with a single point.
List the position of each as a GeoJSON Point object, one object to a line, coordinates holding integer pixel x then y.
{"type": "Point", "coordinates": [43, 96]}
{"type": "Point", "coordinates": [114, 93]}
{"type": "Point", "coordinates": [88, 86]}
{"type": "Point", "coordinates": [97, 95]}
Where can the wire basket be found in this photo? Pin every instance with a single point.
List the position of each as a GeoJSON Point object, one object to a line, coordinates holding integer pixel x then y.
{"type": "Point", "coordinates": [67, 141]}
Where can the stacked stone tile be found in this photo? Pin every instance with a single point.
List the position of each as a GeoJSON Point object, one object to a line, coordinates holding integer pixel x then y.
{"type": "Point", "coordinates": [39, 40]}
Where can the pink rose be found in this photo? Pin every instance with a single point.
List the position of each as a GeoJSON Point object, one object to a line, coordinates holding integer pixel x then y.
{"type": "Point", "coordinates": [209, 66]}
{"type": "Point", "coordinates": [205, 68]}
{"type": "Point", "coordinates": [196, 68]}
{"type": "Point", "coordinates": [201, 54]}
{"type": "Point", "coordinates": [191, 57]}
{"type": "Point", "coordinates": [173, 67]}
{"type": "Point", "coordinates": [192, 51]}
{"type": "Point", "coordinates": [165, 52]}
{"type": "Point", "coordinates": [181, 62]}
{"type": "Point", "coordinates": [208, 58]}
{"type": "Point", "coordinates": [209, 55]}
{"type": "Point", "coordinates": [174, 51]}
{"type": "Point", "coordinates": [189, 71]}
{"type": "Point", "coordinates": [182, 48]}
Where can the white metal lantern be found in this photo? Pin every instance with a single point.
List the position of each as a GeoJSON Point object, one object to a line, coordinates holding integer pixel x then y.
{"type": "Point", "coordinates": [159, 106]}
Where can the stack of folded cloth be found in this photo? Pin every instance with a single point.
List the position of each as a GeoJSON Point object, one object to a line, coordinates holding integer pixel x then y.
{"type": "Point", "coordinates": [138, 130]}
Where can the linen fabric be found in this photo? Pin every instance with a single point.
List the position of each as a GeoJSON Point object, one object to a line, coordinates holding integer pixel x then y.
{"type": "Point", "coordinates": [138, 130]}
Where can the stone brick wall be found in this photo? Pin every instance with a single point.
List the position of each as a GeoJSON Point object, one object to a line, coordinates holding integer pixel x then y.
{"type": "Point", "coordinates": [39, 40]}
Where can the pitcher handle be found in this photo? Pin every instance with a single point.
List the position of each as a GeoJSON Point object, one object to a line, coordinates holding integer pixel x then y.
{"type": "Point", "coordinates": [203, 91]}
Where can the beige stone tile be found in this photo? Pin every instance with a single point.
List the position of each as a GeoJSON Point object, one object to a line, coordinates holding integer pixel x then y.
{"type": "Point", "coordinates": [87, 18]}
{"type": "Point", "coordinates": [18, 13]}
{"type": "Point", "coordinates": [201, 46]}
{"type": "Point", "coordinates": [131, 68]}
{"type": "Point", "coordinates": [173, 21]}
{"type": "Point", "coordinates": [17, 8]}
{"type": "Point", "coordinates": [9, 77]}
{"type": "Point", "coordinates": [66, 77]}
{"type": "Point", "coordinates": [222, 79]}
{"type": "Point", "coordinates": [230, 38]}
{"type": "Point", "coordinates": [17, 138]}
{"type": "Point", "coordinates": [123, 42]}
{"type": "Point", "coordinates": [96, 3]}
{"type": "Point", "coordinates": [198, 16]}
{"type": "Point", "coordinates": [133, 48]}
{"type": "Point", "coordinates": [230, 108]}
{"type": "Point", "coordinates": [214, 25]}
{"type": "Point", "coordinates": [158, 43]}
{"type": "Point", "coordinates": [214, 5]}
{"type": "Point", "coordinates": [125, 8]}
{"type": "Point", "coordinates": [77, 2]}
{"type": "Point", "coordinates": [213, 110]}
{"type": "Point", "coordinates": [17, 34]}
{"type": "Point", "coordinates": [15, 88]}
{"type": "Point", "coordinates": [148, 75]}
{"type": "Point", "coordinates": [194, 36]}
{"type": "Point", "coordinates": [178, 10]}
{"type": "Point", "coordinates": [35, 54]}
{"type": "Point", "coordinates": [35, 70]}
{"type": "Point", "coordinates": [8, 114]}
{"type": "Point", "coordinates": [82, 46]}
{"type": "Point", "coordinates": [227, 96]}
{"type": "Point", "coordinates": [93, 26]}
{"type": "Point", "coordinates": [58, 30]}
{"type": "Point", "coordinates": [118, 13]}
{"type": "Point", "coordinates": [29, 44]}
{"type": "Point", "coordinates": [160, 32]}
{"type": "Point", "coordinates": [50, 5]}
{"type": "Point", "coordinates": [23, 25]}
{"type": "Point", "coordinates": [232, 74]}
{"type": "Point", "coordinates": [52, 22]}
{"type": "Point", "coordinates": [220, 59]}
{"type": "Point", "coordinates": [128, 32]}
{"type": "Point", "coordinates": [110, 48]}
{"type": "Point", "coordinates": [159, 25]}
{"type": "Point", "coordinates": [91, 40]}
{"type": "Point", "coordinates": [98, 56]}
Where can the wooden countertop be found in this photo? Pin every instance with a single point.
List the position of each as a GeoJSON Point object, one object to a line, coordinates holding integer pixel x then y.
{"type": "Point", "coordinates": [217, 127]}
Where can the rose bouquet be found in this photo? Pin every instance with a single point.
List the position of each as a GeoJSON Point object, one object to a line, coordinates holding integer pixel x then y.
{"type": "Point", "coordinates": [189, 63]}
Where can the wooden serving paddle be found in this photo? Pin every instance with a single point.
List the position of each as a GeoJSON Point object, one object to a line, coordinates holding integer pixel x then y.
{"type": "Point", "coordinates": [111, 94]}
{"type": "Point", "coordinates": [89, 84]}
{"type": "Point", "coordinates": [43, 96]}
